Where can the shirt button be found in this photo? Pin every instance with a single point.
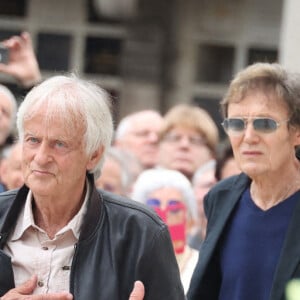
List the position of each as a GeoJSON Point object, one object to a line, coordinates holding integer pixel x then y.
{"type": "Point", "coordinates": [45, 248]}
{"type": "Point", "coordinates": [40, 283]}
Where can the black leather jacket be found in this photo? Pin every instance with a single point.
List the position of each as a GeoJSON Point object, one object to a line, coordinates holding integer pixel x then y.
{"type": "Point", "coordinates": [120, 242]}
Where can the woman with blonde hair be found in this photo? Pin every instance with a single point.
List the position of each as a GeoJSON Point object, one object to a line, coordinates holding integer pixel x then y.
{"type": "Point", "coordinates": [188, 139]}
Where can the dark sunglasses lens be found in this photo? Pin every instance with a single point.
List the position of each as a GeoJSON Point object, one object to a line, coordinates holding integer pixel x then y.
{"type": "Point", "coordinates": [264, 125]}
{"type": "Point", "coordinates": [234, 124]}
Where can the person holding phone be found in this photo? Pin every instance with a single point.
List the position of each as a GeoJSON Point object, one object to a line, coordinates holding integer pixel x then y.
{"type": "Point", "coordinates": [21, 62]}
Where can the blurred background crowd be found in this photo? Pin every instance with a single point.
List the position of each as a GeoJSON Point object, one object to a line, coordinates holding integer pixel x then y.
{"type": "Point", "coordinates": [167, 65]}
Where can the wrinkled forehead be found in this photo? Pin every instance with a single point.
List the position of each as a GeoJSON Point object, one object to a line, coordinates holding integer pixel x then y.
{"type": "Point", "coordinates": [58, 130]}
{"type": "Point", "coordinates": [50, 112]}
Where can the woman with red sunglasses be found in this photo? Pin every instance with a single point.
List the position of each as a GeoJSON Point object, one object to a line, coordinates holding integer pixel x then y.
{"type": "Point", "coordinates": [169, 193]}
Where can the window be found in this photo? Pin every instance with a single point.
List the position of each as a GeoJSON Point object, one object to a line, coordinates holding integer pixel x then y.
{"type": "Point", "coordinates": [53, 51]}
{"type": "Point", "coordinates": [102, 56]}
{"type": "Point", "coordinates": [215, 64]}
{"type": "Point", "coordinates": [5, 34]}
{"type": "Point", "coordinates": [262, 55]}
{"type": "Point", "coordinates": [13, 8]}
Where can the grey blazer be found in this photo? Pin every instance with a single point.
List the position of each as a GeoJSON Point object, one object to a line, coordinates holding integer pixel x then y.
{"type": "Point", "coordinates": [219, 204]}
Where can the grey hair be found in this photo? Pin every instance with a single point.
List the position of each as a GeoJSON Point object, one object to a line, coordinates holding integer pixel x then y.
{"type": "Point", "coordinates": [73, 100]}
{"type": "Point", "coordinates": [153, 179]}
{"type": "Point", "coordinates": [120, 157]}
{"type": "Point", "coordinates": [5, 91]}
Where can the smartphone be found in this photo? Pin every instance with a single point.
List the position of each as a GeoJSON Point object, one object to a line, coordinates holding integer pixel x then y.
{"type": "Point", "coordinates": [4, 54]}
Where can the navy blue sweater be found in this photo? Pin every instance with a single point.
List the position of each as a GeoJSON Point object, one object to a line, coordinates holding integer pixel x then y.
{"type": "Point", "coordinates": [251, 248]}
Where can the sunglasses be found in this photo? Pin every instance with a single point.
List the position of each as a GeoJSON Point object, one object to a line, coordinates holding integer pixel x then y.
{"type": "Point", "coordinates": [172, 204]}
{"type": "Point", "coordinates": [238, 125]}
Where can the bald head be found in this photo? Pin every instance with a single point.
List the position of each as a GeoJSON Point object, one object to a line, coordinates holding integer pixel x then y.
{"type": "Point", "coordinates": [138, 134]}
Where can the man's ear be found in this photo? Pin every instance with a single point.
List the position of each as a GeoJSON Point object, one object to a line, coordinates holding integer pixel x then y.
{"type": "Point", "coordinates": [95, 157]}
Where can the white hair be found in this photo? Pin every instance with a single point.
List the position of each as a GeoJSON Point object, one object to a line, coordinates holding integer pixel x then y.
{"type": "Point", "coordinates": [72, 99]}
{"type": "Point", "coordinates": [5, 91]}
{"type": "Point", "coordinates": [153, 179]}
{"type": "Point", "coordinates": [121, 158]}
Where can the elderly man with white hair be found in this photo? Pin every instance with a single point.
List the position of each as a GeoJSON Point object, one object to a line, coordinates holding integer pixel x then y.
{"type": "Point", "coordinates": [60, 237]}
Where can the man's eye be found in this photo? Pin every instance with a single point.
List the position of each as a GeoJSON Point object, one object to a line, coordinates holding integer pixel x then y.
{"type": "Point", "coordinates": [32, 140]}
{"type": "Point", "coordinates": [60, 144]}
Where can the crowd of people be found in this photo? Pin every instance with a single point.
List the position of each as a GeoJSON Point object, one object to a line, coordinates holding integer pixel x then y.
{"type": "Point", "coordinates": [156, 208]}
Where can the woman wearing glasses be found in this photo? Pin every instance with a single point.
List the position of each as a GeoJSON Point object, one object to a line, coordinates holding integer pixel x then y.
{"type": "Point", "coordinates": [169, 193]}
{"type": "Point", "coordinates": [252, 247]}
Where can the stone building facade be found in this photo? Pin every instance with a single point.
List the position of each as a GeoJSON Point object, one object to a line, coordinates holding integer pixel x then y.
{"type": "Point", "coordinates": [154, 54]}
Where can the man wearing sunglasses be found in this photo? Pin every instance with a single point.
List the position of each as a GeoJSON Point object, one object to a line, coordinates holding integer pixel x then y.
{"type": "Point", "coordinates": [252, 246]}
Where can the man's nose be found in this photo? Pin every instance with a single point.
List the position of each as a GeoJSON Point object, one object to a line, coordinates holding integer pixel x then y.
{"type": "Point", "coordinates": [153, 136]}
{"type": "Point", "coordinates": [43, 155]}
{"type": "Point", "coordinates": [249, 131]}
{"type": "Point", "coordinates": [184, 141]}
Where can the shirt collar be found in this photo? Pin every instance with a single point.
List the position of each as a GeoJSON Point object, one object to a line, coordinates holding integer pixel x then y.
{"type": "Point", "coordinates": [26, 220]}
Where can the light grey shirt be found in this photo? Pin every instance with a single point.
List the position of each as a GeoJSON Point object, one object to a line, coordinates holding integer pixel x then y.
{"type": "Point", "coordinates": [34, 253]}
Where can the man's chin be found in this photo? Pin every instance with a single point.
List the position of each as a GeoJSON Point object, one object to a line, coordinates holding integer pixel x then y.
{"type": "Point", "coordinates": [39, 185]}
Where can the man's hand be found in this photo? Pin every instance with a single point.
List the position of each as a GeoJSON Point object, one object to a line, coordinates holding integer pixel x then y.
{"type": "Point", "coordinates": [138, 291]}
{"type": "Point", "coordinates": [22, 64]}
{"type": "Point", "coordinates": [25, 290]}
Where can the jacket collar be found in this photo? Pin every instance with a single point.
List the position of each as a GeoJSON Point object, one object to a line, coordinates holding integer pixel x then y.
{"type": "Point", "coordinates": [12, 209]}
{"type": "Point", "coordinates": [94, 215]}
{"type": "Point", "coordinates": [229, 192]}
{"type": "Point", "coordinates": [289, 258]}
{"type": "Point", "coordinates": [91, 220]}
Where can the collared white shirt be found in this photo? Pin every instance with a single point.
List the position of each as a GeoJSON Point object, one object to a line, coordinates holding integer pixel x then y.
{"type": "Point", "coordinates": [33, 253]}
